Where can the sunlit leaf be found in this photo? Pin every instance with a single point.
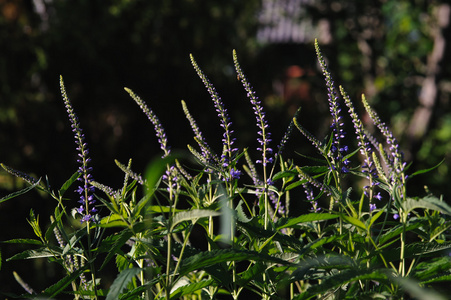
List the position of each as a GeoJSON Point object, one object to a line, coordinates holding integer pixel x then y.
{"type": "Point", "coordinates": [121, 282]}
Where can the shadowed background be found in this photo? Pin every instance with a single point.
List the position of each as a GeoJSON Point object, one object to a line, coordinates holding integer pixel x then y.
{"type": "Point", "coordinates": [393, 51]}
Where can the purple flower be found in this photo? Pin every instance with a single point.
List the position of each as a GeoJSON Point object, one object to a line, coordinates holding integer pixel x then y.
{"type": "Point", "coordinates": [235, 174]}
{"type": "Point", "coordinates": [396, 216]}
{"type": "Point", "coordinates": [86, 209]}
{"type": "Point", "coordinates": [372, 207]}
{"type": "Point", "coordinates": [378, 196]}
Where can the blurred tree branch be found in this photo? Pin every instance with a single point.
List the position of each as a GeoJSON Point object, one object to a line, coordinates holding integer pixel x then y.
{"type": "Point", "coordinates": [429, 93]}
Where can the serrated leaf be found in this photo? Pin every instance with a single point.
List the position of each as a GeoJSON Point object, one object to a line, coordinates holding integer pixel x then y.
{"type": "Point", "coordinates": [124, 236]}
{"type": "Point", "coordinates": [121, 282]}
{"type": "Point", "coordinates": [39, 253]}
{"type": "Point", "coordinates": [23, 241]}
{"type": "Point", "coordinates": [437, 279]}
{"type": "Point", "coordinates": [416, 249]}
{"type": "Point", "coordinates": [208, 258]}
{"type": "Point", "coordinates": [396, 231]}
{"type": "Point", "coordinates": [191, 288]}
{"type": "Point", "coordinates": [141, 204]}
{"type": "Point", "coordinates": [341, 279]}
{"type": "Point", "coordinates": [312, 217]}
{"type": "Point", "coordinates": [427, 269]}
{"type": "Point", "coordinates": [59, 287]}
{"type": "Point", "coordinates": [240, 214]}
{"type": "Point", "coordinates": [428, 202]}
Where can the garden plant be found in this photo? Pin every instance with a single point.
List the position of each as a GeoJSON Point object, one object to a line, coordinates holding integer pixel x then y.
{"type": "Point", "coordinates": [360, 234]}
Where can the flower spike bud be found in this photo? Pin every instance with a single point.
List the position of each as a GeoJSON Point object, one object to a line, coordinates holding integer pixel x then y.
{"type": "Point", "coordinates": [337, 124]}
{"type": "Point", "coordinates": [161, 134]}
{"type": "Point", "coordinates": [377, 164]}
{"type": "Point", "coordinates": [228, 140]}
{"type": "Point", "coordinates": [287, 134]}
{"type": "Point", "coordinates": [198, 136]}
{"type": "Point", "coordinates": [264, 135]}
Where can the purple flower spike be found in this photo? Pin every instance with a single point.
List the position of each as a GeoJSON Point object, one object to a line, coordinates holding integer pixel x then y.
{"type": "Point", "coordinates": [228, 140]}
{"type": "Point", "coordinates": [87, 209]}
{"type": "Point", "coordinates": [337, 125]}
{"type": "Point", "coordinates": [264, 136]}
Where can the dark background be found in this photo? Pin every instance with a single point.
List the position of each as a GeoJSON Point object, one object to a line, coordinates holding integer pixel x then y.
{"type": "Point", "coordinates": [393, 51]}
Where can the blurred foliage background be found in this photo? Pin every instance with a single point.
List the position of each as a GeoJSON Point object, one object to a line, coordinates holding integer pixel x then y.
{"type": "Point", "coordinates": [394, 51]}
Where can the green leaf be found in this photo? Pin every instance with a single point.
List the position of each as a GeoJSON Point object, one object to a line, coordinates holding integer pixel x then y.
{"type": "Point", "coordinates": [397, 230]}
{"type": "Point", "coordinates": [190, 288]}
{"type": "Point", "coordinates": [141, 204]}
{"type": "Point", "coordinates": [193, 215]}
{"type": "Point", "coordinates": [208, 258]}
{"type": "Point", "coordinates": [114, 220]}
{"type": "Point", "coordinates": [121, 282]}
{"type": "Point", "coordinates": [376, 216]}
{"type": "Point", "coordinates": [312, 217]}
{"type": "Point", "coordinates": [23, 241]}
{"type": "Point", "coordinates": [341, 279]}
{"type": "Point", "coordinates": [18, 193]}
{"type": "Point", "coordinates": [415, 250]}
{"type": "Point", "coordinates": [432, 268]}
{"type": "Point", "coordinates": [353, 221]}
{"type": "Point", "coordinates": [437, 279]}
{"type": "Point", "coordinates": [124, 236]}
{"type": "Point", "coordinates": [39, 253]}
{"type": "Point", "coordinates": [240, 214]}
{"type": "Point", "coordinates": [59, 287]}
{"type": "Point", "coordinates": [426, 170]}
{"type": "Point", "coordinates": [68, 183]}
{"type": "Point", "coordinates": [428, 202]}
{"type": "Point", "coordinates": [412, 287]}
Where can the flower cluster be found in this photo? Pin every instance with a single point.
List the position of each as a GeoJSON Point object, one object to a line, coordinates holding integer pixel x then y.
{"type": "Point", "coordinates": [207, 156]}
{"type": "Point", "coordinates": [161, 135]}
{"type": "Point", "coordinates": [30, 179]}
{"type": "Point", "coordinates": [311, 198]}
{"type": "Point", "coordinates": [86, 190]}
{"type": "Point", "coordinates": [264, 136]}
{"type": "Point", "coordinates": [338, 151]}
{"type": "Point", "coordinates": [394, 161]}
{"type": "Point", "coordinates": [227, 139]}
{"type": "Point", "coordinates": [366, 150]}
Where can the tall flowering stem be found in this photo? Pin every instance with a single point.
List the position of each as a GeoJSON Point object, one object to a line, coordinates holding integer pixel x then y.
{"type": "Point", "coordinates": [207, 156]}
{"type": "Point", "coordinates": [87, 201]}
{"type": "Point", "coordinates": [161, 134]}
{"type": "Point", "coordinates": [264, 135]}
{"type": "Point", "coordinates": [366, 150]}
{"type": "Point", "coordinates": [337, 150]}
{"type": "Point", "coordinates": [396, 175]}
{"type": "Point", "coordinates": [394, 160]}
{"type": "Point", "coordinates": [86, 189]}
{"type": "Point", "coordinates": [227, 140]}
